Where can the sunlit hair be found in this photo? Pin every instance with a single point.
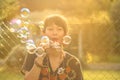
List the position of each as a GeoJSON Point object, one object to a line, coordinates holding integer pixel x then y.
{"type": "Point", "coordinates": [56, 19]}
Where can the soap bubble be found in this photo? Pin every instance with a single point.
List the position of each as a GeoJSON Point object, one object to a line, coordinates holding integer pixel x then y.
{"type": "Point", "coordinates": [55, 44]}
{"type": "Point", "coordinates": [25, 12]}
{"type": "Point", "coordinates": [30, 41]}
{"type": "Point", "coordinates": [41, 25]}
{"type": "Point", "coordinates": [45, 40]}
{"type": "Point", "coordinates": [30, 46]}
{"type": "Point", "coordinates": [23, 32]}
{"type": "Point", "coordinates": [14, 24]}
{"type": "Point", "coordinates": [39, 51]}
{"type": "Point", "coordinates": [25, 24]}
{"type": "Point", "coordinates": [67, 40]}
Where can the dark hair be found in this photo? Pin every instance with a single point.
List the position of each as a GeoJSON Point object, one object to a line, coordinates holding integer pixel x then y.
{"type": "Point", "coordinates": [58, 20]}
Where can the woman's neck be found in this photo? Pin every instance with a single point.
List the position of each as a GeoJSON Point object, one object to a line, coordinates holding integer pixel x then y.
{"type": "Point", "coordinates": [56, 59]}
{"type": "Point", "coordinates": [53, 53]}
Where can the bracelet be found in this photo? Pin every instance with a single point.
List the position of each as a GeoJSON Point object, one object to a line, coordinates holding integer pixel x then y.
{"type": "Point", "coordinates": [38, 65]}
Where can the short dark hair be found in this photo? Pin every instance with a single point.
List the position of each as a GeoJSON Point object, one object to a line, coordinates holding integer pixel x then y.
{"type": "Point", "coordinates": [58, 20]}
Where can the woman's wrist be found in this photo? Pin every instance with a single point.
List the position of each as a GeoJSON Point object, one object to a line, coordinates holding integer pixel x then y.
{"type": "Point", "coordinates": [37, 64]}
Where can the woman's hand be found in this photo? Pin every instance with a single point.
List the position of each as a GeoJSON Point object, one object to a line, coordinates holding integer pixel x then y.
{"type": "Point", "coordinates": [39, 59]}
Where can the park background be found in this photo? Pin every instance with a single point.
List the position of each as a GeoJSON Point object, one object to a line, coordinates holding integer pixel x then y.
{"type": "Point", "coordinates": [94, 27]}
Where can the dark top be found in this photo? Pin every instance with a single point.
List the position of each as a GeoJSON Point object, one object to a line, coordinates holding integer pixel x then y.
{"type": "Point", "coordinates": [69, 69]}
{"type": "Point", "coordinates": [28, 63]}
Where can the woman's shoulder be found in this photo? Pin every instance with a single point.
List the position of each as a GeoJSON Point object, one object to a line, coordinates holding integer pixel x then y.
{"type": "Point", "coordinates": [71, 57]}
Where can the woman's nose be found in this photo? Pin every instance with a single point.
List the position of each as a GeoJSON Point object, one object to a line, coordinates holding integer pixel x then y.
{"type": "Point", "coordinates": [55, 31]}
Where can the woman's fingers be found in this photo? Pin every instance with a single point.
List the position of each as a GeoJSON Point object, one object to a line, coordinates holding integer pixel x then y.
{"type": "Point", "coordinates": [40, 58]}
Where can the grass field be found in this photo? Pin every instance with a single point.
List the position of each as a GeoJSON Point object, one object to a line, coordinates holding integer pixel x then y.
{"type": "Point", "coordinates": [101, 75]}
{"type": "Point", "coordinates": [9, 74]}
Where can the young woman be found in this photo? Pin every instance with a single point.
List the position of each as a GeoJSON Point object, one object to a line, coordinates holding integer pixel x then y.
{"type": "Point", "coordinates": [55, 64]}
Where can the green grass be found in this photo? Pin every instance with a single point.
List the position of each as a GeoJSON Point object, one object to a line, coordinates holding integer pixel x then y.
{"type": "Point", "coordinates": [101, 75]}
{"type": "Point", "coordinates": [9, 74]}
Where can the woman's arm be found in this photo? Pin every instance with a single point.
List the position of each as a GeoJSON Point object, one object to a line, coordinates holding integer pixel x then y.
{"type": "Point", "coordinates": [76, 67]}
{"type": "Point", "coordinates": [28, 63]}
{"type": "Point", "coordinates": [78, 71]}
{"type": "Point", "coordinates": [34, 73]}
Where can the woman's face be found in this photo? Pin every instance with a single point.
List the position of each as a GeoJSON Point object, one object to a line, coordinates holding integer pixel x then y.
{"type": "Point", "coordinates": [55, 33]}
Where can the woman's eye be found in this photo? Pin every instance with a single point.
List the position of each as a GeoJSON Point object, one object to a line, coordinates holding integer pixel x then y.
{"type": "Point", "coordinates": [50, 29]}
{"type": "Point", "coordinates": [60, 29]}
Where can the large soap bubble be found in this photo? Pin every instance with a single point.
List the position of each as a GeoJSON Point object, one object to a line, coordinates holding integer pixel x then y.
{"type": "Point", "coordinates": [25, 12]}
{"type": "Point", "coordinates": [45, 40]}
{"type": "Point", "coordinates": [66, 40]}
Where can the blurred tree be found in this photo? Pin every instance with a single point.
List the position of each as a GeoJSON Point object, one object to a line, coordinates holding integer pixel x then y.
{"type": "Point", "coordinates": [115, 17]}
{"type": "Point", "coordinates": [7, 40]}
{"type": "Point", "coordinates": [92, 15]}
{"type": "Point", "coordinates": [78, 8]}
{"type": "Point", "coordinates": [8, 8]}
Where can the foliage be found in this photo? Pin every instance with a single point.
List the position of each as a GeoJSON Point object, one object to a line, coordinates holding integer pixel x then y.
{"type": "Point", "coordinates": [115, 17]}
{"type": "Point", "coordinates": [16, 57]}
{"type": "Point", "coordinates": [7, 40]}
{"type": "Point", "coordinates": [87, 74]}
{"type": "Point", "coordinates": [101, 75]}
{"type": "Point", "coordinates": [93, 17]}
{"type": "Point", "coordinates": [8, 8]}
